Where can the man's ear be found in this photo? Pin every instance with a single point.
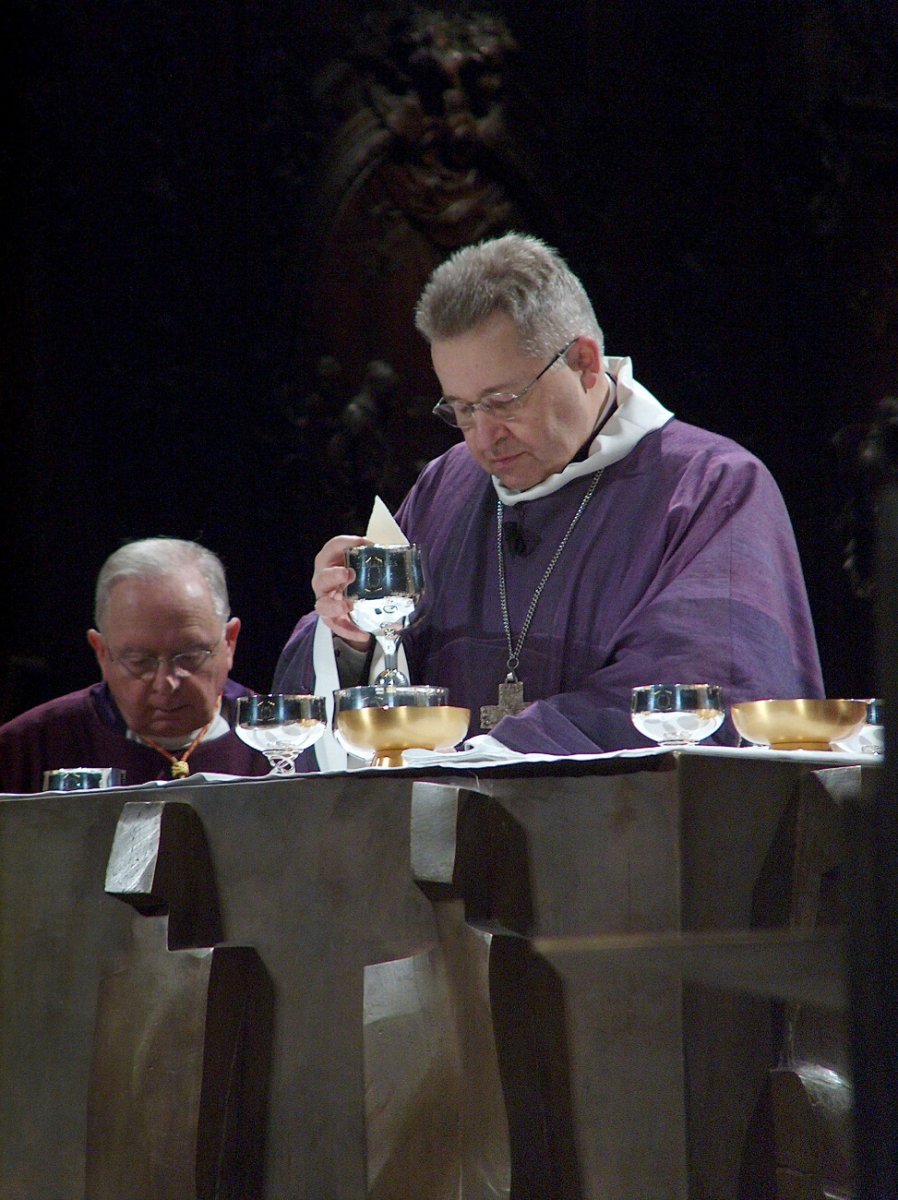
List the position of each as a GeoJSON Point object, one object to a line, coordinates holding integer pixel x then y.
{"type": "Point", "coordinates": [98, 645]}
{"type": "Point", "coordinates": [232, 629]}
{"type": "Point", "coordinates": [585, 357]}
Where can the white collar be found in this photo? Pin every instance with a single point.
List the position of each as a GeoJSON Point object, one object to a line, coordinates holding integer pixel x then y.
{"type": "Point", "coordinates": [637, 413]}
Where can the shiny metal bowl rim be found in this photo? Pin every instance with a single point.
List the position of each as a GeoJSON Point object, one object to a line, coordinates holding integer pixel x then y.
{"type": "Point", "coordinates": [311, 707]}
{"type": "Point", "coordinates": [383, 696]}
{"type": "Point", "coordinates": [696, 694]}
{"type": "Point", "coordinates": [69, 779]}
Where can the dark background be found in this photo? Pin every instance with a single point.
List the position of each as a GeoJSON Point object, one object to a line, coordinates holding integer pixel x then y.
{"type": "Point", "coordinates": [208, 198]}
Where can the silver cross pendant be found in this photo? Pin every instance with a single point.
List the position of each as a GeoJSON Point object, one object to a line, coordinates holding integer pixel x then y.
{"type": "Point", "coordinates": [511, 701]}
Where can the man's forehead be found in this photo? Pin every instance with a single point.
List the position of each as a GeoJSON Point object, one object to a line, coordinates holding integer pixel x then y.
{"type": "Point", "coordinates": [486, 359]}
{"type": "Point", "coordinates": [497, 330]}
{"type": "Point", "coordinates": [133, 594]}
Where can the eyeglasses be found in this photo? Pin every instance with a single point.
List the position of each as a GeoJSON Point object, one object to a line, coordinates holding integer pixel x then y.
{"type": "Point", "coordinates": [504, 406]}
{"type": "Point", "coordinates": [146, 666]}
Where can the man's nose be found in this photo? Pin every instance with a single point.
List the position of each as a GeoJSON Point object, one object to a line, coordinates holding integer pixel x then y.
{"type": "Point", "coordinates": [166, 676]}
{"type": "Point", "coordinates": [486, 430]}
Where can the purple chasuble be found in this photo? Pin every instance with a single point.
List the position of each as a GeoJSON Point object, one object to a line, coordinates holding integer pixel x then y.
{"type": "Point", "coordinates": [683, 568]}
{"type": "Point", "coordinates": [85, 729]}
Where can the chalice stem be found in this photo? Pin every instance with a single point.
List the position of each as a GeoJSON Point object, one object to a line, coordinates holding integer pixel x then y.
{"type": "Point", "coordinates": [283, 762]}
{"type": "Point", "coordinates": [390, 676]}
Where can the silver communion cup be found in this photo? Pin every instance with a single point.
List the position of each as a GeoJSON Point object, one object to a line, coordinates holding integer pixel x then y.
{"type": "Point", "coordinates": [386, 596]}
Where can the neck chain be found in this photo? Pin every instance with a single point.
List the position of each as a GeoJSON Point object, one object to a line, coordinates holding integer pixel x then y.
{"type": "Point", "coordinates": [511, 692]}
{"type": "Point", "coordinates": [179, 767]}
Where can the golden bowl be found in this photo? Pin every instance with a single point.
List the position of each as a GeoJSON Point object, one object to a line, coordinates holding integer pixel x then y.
{"type": "Point", "coordinates": [798, 724]}
{"type": "Point", "coordinates": [386, 732]}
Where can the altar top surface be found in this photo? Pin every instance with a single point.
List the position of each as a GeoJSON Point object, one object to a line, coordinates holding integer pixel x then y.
{"type": "Point", "coordinates": [429, 765]}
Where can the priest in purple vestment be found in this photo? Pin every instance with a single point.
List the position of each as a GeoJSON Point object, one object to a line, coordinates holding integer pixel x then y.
{"type": "Point", "coordinates": [165, 644]}
{"type": "Point", "coordinates": [581, 541]}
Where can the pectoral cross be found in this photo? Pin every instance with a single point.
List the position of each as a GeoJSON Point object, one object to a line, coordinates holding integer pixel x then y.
{"type": "Point", "coordinates": [511, 701]}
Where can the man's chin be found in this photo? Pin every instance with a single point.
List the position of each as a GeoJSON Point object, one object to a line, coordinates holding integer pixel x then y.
{"type": "Point", "coordinates": [170, 727]}
{"type": "Point", "coordinates": [516, 480]}
{"type": "Point", "coordinates": [507, 470]}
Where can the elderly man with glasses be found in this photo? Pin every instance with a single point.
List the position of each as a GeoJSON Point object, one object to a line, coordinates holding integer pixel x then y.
{"type": "Point", "coordinates": [581, 540]}
{"type": "Point", "coordinates": [165, 643]}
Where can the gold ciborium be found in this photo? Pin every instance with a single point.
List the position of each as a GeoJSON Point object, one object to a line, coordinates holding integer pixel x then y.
{"type": "Point", "coordinates": [798, 724]}
{"type": "Point", "coordinates": [379, 722]}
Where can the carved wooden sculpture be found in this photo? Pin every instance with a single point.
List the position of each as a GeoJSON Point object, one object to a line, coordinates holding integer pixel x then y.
{"type": "Point", "coordinates": [418, 159]}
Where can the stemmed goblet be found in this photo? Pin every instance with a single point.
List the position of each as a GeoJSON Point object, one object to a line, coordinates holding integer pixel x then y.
{"type": "Point", "coordinates": [281, 726]}
{"type": "Point", "coordinates": [386, 596]}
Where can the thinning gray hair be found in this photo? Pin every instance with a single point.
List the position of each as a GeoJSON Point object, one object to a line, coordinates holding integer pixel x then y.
{"type": "Point", "coordinates": [516, 274]}
{"type": "Point", "coordinates": [156, 558]}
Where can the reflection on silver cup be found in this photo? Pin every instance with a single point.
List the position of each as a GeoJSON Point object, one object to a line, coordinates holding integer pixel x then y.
{"type": "Point", "coordinates": [81, 779]}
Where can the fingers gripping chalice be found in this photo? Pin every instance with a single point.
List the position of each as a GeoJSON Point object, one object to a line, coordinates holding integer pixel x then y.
{"type": "Point", "coordinates": [386, 596]}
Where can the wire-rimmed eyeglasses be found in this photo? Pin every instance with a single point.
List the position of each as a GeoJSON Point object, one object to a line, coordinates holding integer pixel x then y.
{"type": "Point", "coordinates": [146, 666]}
{"type": "Point", "coordinates": [503, 406]}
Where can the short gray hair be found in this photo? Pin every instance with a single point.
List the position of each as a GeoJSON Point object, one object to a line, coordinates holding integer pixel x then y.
{"type": "Point", "coordinates": [516, 274]}
{"type": "Point", "coordinates": [156, 558]}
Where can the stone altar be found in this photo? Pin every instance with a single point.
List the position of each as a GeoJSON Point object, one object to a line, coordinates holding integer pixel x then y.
{"type": "Point", "coordinates": [413, 938]}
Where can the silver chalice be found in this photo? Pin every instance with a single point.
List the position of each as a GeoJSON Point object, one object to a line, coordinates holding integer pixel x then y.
{"type": "Point", "coordinates": [386, 597]}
